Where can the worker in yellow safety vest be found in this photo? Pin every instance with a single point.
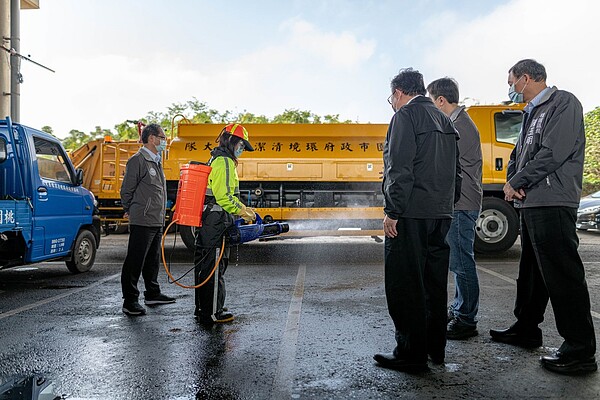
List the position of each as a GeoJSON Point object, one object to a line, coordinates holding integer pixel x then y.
{"type": "Point", "coordinates": [221, 204]}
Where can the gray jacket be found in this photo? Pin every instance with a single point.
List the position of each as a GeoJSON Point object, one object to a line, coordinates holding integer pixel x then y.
{"type": "Point", "coordinates": [469, 146]}
{"type": "Point", "coordinates": [144, 191]}
{"type": "Point", "coordinates": [547, 161]}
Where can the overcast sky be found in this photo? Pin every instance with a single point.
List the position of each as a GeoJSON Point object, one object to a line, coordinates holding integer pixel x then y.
{"type": "Point", "coordinates": [119, 59]}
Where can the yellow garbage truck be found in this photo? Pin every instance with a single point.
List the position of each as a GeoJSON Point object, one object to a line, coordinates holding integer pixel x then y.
{"type": "Point", "coordinates": [322, 179]}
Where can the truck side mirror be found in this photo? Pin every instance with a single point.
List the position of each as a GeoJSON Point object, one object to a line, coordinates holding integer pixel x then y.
{"type": "Point", "coordinates": [79, 176]}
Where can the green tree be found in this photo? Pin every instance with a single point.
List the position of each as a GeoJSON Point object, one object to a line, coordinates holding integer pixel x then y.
{"type": "Point", "coordinates": [335, 119]}
{"type": "Point", "coordinates": [249, 118]}
{"type": "Point", "coordinates": [48, 129]}
{"type": "Point", "coordinates": [74, 139]}
{"type": "Point", "coordinates": [126, 130]}
{"type": "Point", "coordinates": [293, 116]}
{"type": "Point", "coordinates": [198, 112]}
{"type": "Point", "coordinates": [591, 169]}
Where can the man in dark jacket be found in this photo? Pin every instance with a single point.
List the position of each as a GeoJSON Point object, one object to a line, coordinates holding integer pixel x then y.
{"type": "Point", "coordinates": [144, 197]}
{"type": "Point", "coordinates": [544, 177]}
{"type": "Point", "coordinates": [421, 183]}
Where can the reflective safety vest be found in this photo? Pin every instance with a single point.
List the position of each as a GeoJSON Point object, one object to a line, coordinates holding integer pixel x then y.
{"type": "Point", "coordinates": [224, 184]}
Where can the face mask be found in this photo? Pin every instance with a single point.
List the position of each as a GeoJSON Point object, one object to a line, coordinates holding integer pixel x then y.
{"type": "Point", "coordinates": [239, 151]}
{"type": "Point", "coordinates": [162, 146]}
{"type": "Point", "coordinates": [513, 95]}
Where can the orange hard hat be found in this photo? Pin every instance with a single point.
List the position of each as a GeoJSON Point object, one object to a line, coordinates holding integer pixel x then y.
{"type": "Point", "coordinates": [241, 132]}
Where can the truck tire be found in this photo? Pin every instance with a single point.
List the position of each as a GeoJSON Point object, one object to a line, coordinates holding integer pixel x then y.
{"type": "Point", "coordinates": [188, 235]}
{"type": "Point", "coordinates": [83, 254]}
{"type": "Point", "coordinates": [497, 226]}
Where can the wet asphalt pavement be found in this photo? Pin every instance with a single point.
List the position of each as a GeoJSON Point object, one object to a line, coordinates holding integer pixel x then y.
{"type": "Point", "coordinates": [310, 314]}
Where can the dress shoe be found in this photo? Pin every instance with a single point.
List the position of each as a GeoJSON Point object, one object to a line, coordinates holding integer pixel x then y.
{"type": "Point", "coordinates": [565, 364]}
{"type": "Point", "coordinates": [400, 364]}
{"type": "Point", "coordinates": [458, 330]}
{"type": "Point", "coordinates": [528, 339]}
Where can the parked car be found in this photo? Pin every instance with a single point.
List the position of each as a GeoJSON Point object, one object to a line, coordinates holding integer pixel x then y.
{"type": "Point", "coordinates": [589, 212]}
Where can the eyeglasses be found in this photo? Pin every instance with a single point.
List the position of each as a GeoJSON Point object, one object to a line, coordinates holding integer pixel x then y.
{"type": "Point", "coordinates": [389, 99]}
{"type": "Point", "coordinates": [161, 137]}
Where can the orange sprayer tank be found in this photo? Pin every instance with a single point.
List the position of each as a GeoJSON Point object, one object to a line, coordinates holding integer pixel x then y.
{"type": "Point", "coordinates": [190, 193]}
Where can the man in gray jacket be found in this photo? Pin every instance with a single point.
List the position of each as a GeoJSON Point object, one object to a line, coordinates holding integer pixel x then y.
{"type": "Point", "coordinates": [544, 177]}
{"type": "Point", "coordinates": [462, 312]}
{"type": "Point", "coordinates": [144, 196]}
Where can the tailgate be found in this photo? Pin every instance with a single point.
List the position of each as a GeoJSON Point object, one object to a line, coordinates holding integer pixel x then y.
{"type": "Point", "coordinates": [14, 215]}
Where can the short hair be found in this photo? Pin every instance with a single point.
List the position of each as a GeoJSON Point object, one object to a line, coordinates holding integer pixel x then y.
{"type": "Point", "coordinates": [446, 87]}
{"type": "Point", "coordinates": [409, 81]}
{"type": "Point", "coordinates": [151, 130]}
{"type": "Point", "coordinates": [529, 67]}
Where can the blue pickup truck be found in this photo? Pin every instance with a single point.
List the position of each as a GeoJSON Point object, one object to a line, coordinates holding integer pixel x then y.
{"type": "Point", "coordinates": [45, 213]}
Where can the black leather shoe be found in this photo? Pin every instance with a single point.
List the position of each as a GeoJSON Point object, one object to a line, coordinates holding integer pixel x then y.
{"type": "Point", "coordinates": [400, 364]}
{"type": "Point", "coordinates": [528, 339]}
{"type": "Point", "coordinates": [564, 364]}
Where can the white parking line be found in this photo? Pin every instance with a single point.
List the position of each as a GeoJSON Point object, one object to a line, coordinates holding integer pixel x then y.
{"type": "Point", "coordinates": [284, 374]}
{"type": "Point", "coordinates": [514, 282]}
{"type": "Point", "coordinates": [497, 275]}
{"type": "Point", "coordinates": [57, 297]}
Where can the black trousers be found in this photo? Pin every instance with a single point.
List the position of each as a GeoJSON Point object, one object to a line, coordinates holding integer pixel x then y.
{"type": "Point", "coordinates": [143, 255]}
{"type": "Point", "coordinates": [550, 268]}
{"type": "Point", "coordinates": [209, 238]}
{"type": "Point", "coordinates": [416, 279]}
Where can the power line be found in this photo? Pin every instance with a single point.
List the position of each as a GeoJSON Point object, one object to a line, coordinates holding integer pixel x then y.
{"type": "Point", "coordinates": [14, 53]}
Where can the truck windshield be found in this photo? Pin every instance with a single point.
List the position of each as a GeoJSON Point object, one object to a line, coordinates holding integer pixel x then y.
{"type": "Point", "coordinates": [51, 161]}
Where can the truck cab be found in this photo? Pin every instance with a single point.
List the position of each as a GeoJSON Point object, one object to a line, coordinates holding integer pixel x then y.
{"type": "Point", "coordinates": [45, 212]}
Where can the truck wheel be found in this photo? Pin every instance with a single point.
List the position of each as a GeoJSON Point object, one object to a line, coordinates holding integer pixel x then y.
{"type": "Point", "coordinates": [188, 235]}
{"type": "Point", "coordinates": [497, 227]}
{"type": "Point", "coordinates": [83, 254]}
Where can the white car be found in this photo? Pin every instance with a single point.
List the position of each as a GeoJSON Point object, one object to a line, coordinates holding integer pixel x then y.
{"type": "Point", "coordinates": [589, 209]}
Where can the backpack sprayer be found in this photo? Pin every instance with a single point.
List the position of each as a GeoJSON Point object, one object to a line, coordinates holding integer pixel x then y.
{"type": "Point", "coordinates": [191, 192]}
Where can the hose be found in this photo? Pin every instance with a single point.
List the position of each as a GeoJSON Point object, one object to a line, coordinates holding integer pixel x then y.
{"type": "Point", "coordinates": [169, 272]}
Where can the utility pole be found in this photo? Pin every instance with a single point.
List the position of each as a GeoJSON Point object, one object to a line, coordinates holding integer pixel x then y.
{"type": "Point", "coordinates": [4, 58]}
{"type": "Point", "coordinates": [15, 61]}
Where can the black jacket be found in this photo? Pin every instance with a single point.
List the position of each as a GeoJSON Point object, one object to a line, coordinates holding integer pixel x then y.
{"type": "Point", "coordinates": [421, 171]}
{"type": "Point", "coordinates": [547, 162]}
